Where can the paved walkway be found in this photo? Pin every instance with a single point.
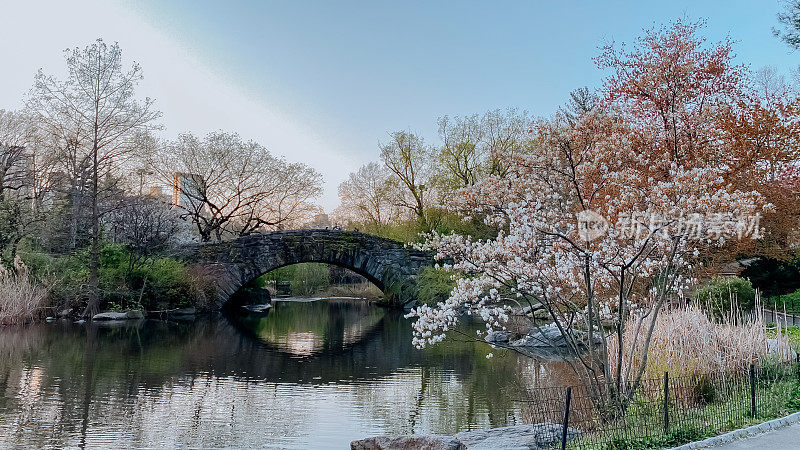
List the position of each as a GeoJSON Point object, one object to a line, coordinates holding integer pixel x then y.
{"type": "Point", "coordinates": [783, 438]}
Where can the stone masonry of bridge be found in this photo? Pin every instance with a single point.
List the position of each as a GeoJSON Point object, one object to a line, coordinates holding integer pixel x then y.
{"type": "Point", "coordinates": [229, 265]}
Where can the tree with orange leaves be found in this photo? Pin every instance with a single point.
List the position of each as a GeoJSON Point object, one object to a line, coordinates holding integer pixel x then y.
{"type": "Point", "coordinates": [602, 223]}
{"type": "Point", "coordinates": [678, 95]}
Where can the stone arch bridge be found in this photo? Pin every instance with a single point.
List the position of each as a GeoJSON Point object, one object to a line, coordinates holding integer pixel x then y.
{"type": "Point", "coordinates": [227, 266]}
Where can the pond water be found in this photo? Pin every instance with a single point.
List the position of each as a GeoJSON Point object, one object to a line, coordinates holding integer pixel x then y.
{"type": "Point", "coordinates": [308, 374]}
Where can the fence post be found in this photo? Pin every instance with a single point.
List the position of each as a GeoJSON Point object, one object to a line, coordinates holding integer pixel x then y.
{"type": "Point", "coordinates": [566, 419]}
{"type": "Point", "coordinates": [753, 388]}
{"type": "Point", "coordinates": [666, 402]}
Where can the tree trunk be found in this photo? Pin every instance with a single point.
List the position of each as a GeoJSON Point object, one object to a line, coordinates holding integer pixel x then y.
{"type": "Point", "coordinates": [75, 207]}
{"type": "Point", "coordinates": [94, 254]}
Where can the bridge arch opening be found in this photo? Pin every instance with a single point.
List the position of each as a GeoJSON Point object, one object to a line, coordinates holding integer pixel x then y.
{"type": "Point", "coordinates": [315, 279]}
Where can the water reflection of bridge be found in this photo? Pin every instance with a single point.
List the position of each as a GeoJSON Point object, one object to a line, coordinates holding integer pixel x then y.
{"type": "Point", "coordinates": [331, 327]}
{"type": "Point", "coordinates": [77, 376]}
{"type": "Point", "coordinates": [222, 346]}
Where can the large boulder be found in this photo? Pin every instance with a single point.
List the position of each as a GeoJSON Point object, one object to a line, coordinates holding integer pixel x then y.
{"type": "Point", "coordinates": [415, 442]}
{"type": "Point", "coordinates": [548, 342]}
{"type": "Point", "coordinates": [110, 316]}
{"type": "Point", "coordinates": [545, 336]}
{"type": "Point", "coordinates": [134, 315]}
{"type": "Point", "coordinates": [541, 314]}
{"type": "Point", "coordinates": [518, 437]}
{"type": "Point", "coordinates": [118, 315]}
{"type": "Point", "coordinates": [498, 337]}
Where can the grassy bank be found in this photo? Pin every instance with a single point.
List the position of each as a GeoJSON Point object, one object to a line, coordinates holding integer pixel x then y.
{"type": "Point", "coordinates": [707, 390]}
{"type": "Point", "coordinates": [719, 404]}
{"type": "Point", "coordinates": [697, 407]}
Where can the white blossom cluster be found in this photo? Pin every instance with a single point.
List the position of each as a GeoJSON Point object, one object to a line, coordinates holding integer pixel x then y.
{"type": "Point", "coordinates": [539, 255]}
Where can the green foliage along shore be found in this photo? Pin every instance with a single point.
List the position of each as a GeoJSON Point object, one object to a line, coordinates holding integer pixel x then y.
{"type": "Point", "coordinates": [153, 284]}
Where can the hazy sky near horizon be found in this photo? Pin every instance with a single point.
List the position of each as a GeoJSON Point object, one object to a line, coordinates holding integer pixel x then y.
{"type": "Point", "coordinates": [324, 82]}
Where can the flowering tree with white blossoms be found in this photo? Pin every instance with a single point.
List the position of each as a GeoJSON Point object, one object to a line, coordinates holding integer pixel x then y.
{"type": "Point", "coordinates": [604, 219]}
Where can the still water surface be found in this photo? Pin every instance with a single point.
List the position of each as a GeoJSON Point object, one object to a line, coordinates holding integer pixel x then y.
{"type": "Point", "coordinates": [309, 374]}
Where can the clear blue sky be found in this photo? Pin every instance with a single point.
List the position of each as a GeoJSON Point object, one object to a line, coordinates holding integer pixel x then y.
{"type": "Point", "coordinates": [366, 68]}
{"type": "Point", "coordinates": [344, 74]}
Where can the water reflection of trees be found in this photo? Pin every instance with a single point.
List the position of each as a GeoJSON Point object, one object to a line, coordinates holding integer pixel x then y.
{"type": "Point", "coordinates": [67, 385]}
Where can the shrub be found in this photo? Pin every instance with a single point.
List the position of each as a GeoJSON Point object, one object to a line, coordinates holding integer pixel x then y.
{"type": "Point", "coordinates": [434, 286]}
{"type": "Point", "coordinates": [69, 275]}
{"type": "Point", "coordinates": [159, 283]}
{"type": "Point", "coordinates": [165, 283]}
{"type": "Point", "coordinates": [719, 295]}
{"type": "Point", "coordinates": [791, 302]}
{"type": "Point", "coordinates": [703, 390]}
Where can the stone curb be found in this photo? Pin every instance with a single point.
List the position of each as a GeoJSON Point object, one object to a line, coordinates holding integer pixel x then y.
{"type": "Point", "coordinates": [742, 432]}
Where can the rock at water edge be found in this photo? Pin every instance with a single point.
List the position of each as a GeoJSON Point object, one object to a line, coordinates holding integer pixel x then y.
{"type": "Point", "coordinates": [110, 316]}
{"type": "Point", "coordinates": [518, 437]}
{"type": "Point", "coordinates": [415, 442]}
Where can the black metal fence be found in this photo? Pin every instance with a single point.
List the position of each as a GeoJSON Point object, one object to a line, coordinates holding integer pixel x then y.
{"type": "Point", "coordinates": [782, 308]}
{"type": "Point", "coordinates": [670, 410]}
{"type": "Point", "coordinates": [784, 317]}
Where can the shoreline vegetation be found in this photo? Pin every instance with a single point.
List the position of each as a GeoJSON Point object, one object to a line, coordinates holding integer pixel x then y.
{"type": "Point", "coordinates": [51, 285]}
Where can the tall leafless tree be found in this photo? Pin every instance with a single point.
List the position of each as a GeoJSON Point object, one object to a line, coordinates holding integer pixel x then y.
{"type": "Point", "coordinates": [367, 197]}
{"type": "Point", "coordinates": [16, 136]}
{"type": "Point", "coordinates": [95, 115]}
{"type": "Point", "coordinates": [229, 187]}
{"type": "Point", "coordinates": [145, 225]}
{"type": "Point", "coordinates": [17, 141]}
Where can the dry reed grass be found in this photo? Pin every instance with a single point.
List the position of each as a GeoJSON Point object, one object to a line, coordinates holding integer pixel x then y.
{"type": "Point", "coordinates": [203, 282]}
{"type": "Point", "coordinates": [21, 300]}
{"type": "Point", "coordinates": [360, 290]}
{"type": "Point", "coordinates": [687, 342]}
